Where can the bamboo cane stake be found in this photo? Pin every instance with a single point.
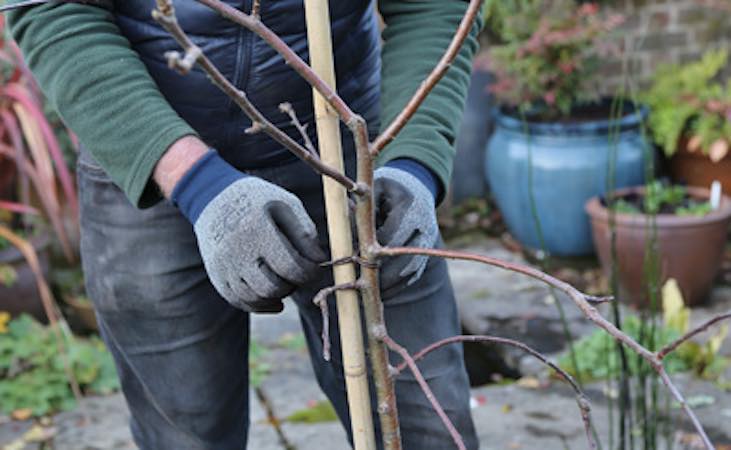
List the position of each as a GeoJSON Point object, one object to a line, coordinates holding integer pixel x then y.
{"type": "Point", "coordinates": [317, 17]}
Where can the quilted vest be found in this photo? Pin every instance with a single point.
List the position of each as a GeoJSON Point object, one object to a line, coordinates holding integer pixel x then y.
{"type": "Point", "coordinates": [257, 69]}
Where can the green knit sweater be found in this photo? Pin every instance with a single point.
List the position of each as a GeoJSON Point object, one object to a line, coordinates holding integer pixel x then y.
{"type": "Point", "coordinates": [104, 93]}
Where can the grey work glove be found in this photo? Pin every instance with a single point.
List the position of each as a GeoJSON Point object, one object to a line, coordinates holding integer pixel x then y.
{"type": "Point", "coordinates": [405, 217]}
{"type": "Point", "coordinates": [258, 244]}
{"type": "Point", "coordinates": [256, 240]}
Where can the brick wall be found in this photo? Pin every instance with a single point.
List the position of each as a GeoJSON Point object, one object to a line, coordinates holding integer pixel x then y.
{"type": "Point", "coordinates": [661, 31]}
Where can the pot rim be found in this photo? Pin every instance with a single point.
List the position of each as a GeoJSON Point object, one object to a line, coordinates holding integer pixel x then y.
{"type": "Point", "coordinates": [598, 212]}
{"type": "Point", "coordinates": [629, 121]}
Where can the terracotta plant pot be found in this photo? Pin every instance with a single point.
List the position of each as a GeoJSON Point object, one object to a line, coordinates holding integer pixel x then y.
{"type": "Point", "coordinates": [23, 296]}
{"type": "Point", "coordinates": [697, 169]}
{"type": "Point", "coordinates": [690, 248]}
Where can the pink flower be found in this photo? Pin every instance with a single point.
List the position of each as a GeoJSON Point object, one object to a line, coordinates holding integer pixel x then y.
{"type": "Point", "coordinates": [550, 98]}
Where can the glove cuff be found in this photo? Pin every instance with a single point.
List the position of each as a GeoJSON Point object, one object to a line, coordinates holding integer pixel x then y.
{"type": "Point", "coordinates": [420, 172]}
{"type": "Point", "coordinates": [207, 178]}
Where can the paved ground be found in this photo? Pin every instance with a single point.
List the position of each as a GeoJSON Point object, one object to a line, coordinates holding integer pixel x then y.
{"type": "Point", "coordinates": [532, 414]}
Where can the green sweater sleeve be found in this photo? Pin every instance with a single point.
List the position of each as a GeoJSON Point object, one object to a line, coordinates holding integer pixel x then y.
{"type": "Point", "coordinates": [103, 92]}
{"type": "Point", "coordinates": [416, 36]}
{"type": "Point", "coordinates": [101, 89]}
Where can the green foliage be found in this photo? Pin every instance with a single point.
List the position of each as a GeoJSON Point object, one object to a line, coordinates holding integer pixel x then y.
{"type": "Point", "coordinates": [8, 275]}
{"type": "Point", "coordinates": [547, 54]}
{"type": "Point", "coordinates": [320, 412]}
{"type": "Point", "coordinates": [685, 101]}
{"type": "Point", "coordinates": [661, 198]}
{"type": "Point", "coordinates": [32, 372]}
{"type": "Point", "coordinates": [258, 368]}
{"type": "Point", "coordinates": [595, 364]}
{"type": "Point", "coordinates": [702, 358]}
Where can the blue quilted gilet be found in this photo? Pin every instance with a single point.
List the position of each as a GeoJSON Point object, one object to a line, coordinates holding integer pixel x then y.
{"type": "Point", "coordinates": [256, 69]}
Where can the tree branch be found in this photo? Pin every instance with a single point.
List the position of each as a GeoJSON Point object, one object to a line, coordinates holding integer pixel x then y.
{"type": "Point", "coordinates": [165, 16]}
{"type": "Point", "coordinates": [391, 344]}
{"type": "Point", "coordinates": [287, 108]}
{"type": "Point", "coordinates": [431, 80]}
{"type": "Point", "coordinates": [320, 300]}
{"type": "Point", "coordinates": [699, 329]}
{"type": "Point", "coordinates": [292, 59]}
{"type": "Point", "coordinates": [581, 400]}
{"type": "Point", "coordinates": [580, 301]}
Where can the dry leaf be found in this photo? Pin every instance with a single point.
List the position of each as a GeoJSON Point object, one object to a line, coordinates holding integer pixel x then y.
{"type": "Point", "coordinates": [529, 383]}
{"type": "Point", "coordinates": [718, 150]}
{"type": "Point", "coordinates": [694, 144]}
{"type": "Point", "coordinates": [22, 414]}
{"type": "Point", "coordinates": [675, 314]}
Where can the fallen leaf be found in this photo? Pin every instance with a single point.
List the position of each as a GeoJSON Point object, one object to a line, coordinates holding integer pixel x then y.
{"type": "Point", "coordinates": [718, 150]}
{"type": "Point", "coordinates": [38, 433]}
{"type": "Point", "coordinates": [529, 383]}
{"type": "Point", "coordinates": [22, 414]}
{"type": "Point", "coordinates": [675, 314]}
{"type": "Point", "coordinates": [4, 319]}
{"type": "Point", "coordinates": [321, 412]}
{"type": "Point", "coordinates": [506, 408]}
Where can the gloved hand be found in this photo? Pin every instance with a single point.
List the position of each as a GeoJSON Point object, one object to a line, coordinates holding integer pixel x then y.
{"type": "Point", "coordinates": [404, 193]}
{"type": "Point", "coordinates": [256, 240]}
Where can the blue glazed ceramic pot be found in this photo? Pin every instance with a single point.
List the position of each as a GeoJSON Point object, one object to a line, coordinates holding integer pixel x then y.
{"type": "Point", "coordinates": [569, 162]}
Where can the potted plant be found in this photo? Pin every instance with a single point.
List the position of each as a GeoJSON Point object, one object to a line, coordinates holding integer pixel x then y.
{"type": "Point", "coordinates": [690, 237]}
{"type": "Point", "coordinates": [555, 137]}
{"type": "Point", "coordinates": [36, 187]}
{"type": "Point", "coordinates": [691, 119]}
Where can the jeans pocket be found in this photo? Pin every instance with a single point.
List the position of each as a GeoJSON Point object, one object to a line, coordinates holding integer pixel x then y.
{"type": "Point", "coordinates": [87, 166]}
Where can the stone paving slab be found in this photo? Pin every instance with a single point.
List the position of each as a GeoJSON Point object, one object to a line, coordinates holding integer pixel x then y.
{"type": "Point", "coordinates": [507, 416]}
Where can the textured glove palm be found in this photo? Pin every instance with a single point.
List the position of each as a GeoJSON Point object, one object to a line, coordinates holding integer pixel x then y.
{"type": "Point", "coordinates": [256, 240]}
{"type": "Point", "coordinates": [405, 216]}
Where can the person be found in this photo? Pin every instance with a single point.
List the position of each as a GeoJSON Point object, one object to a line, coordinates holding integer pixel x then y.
{"type": "Point", "coordinates": [189, 224]}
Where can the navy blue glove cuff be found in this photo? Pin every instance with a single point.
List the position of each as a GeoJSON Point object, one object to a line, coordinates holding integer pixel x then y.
{"type": "Point", "coordinates": [207, 178]}
{"type": "Point", "coordinates": [420, 171]}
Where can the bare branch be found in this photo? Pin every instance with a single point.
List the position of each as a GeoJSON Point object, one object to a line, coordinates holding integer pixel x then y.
{"type": "Point", "coordinates": [256, 9]}
{"type": "Point", "coordinates": [428, 84]}
{"type": "Point", "coordinates": [292, 59]}
{"type": "Point", "coordinates": [391, 344]}
{"type": "Point", "coordinates": [170, 23]}
{"type": "Point", "coordinates": [699, 329]}
{"type": "Point", "coordinates": [320, 300]}
{"type": "Point", "coordinates": [686, 408]}
{"type": "Point", "coordinates": [287, 108]}
{"type": "Point", "coordinates": [580, 301]}
{"type": "Point", "coordinates": [581, 400]}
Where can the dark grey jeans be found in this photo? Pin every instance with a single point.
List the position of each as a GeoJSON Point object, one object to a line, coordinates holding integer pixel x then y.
{"type": "Point", "coordinates": [181, 350]}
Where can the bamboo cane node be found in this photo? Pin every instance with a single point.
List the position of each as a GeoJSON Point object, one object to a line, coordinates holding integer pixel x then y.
{"type": "Point", "coordinates": [354, 371]}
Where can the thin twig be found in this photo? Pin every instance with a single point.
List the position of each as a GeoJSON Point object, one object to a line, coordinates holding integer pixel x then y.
{"type": "Point", "coordinates": [259, 122]}
{"type": "Point", "coordinates": [581, 399]}
{"type": "Point", "coordinates": [287, 108]}
{"type": "Point", "coordinates": [256, 9]}
{"type": "Point", "coordinates": [320, 300]}
{"type": "Point", "coordinates": [431, 80]}
{"type": "Point", "coordinates": [391, 344]}
{"type": "Point", "coordinates": [699, 329]}
{"type": "Point", "coordinates": [292, 59]}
